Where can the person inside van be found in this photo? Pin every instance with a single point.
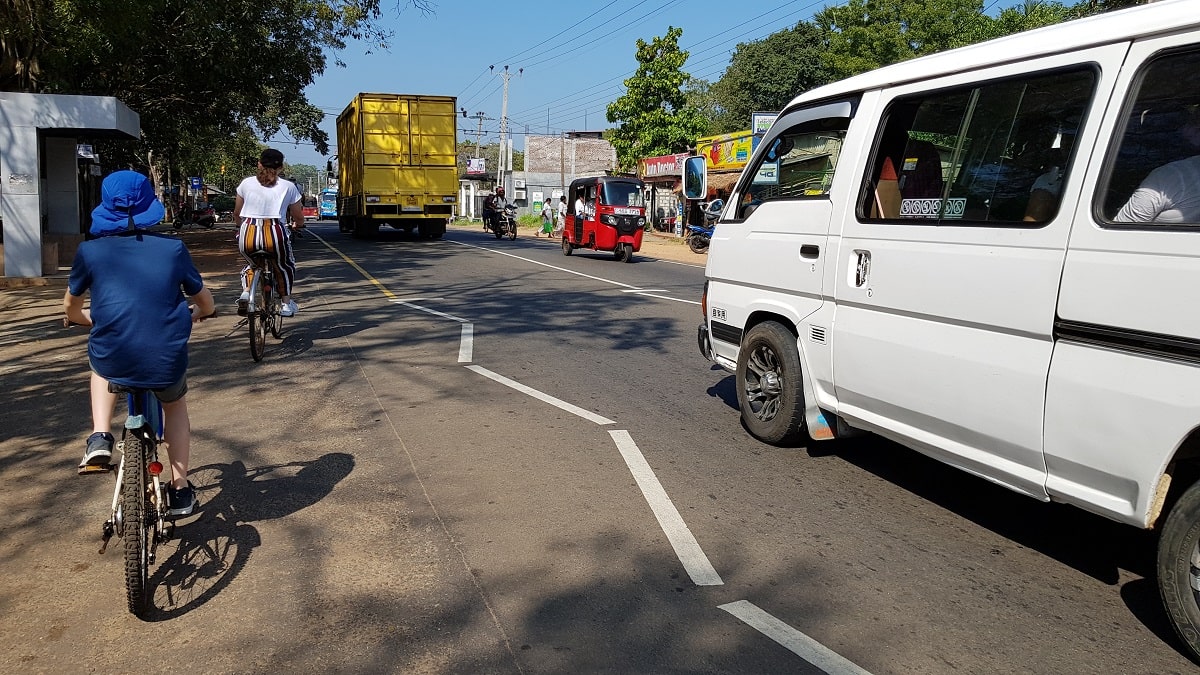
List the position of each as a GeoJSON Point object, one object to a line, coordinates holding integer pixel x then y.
{"type": "Point", "coordinates": [1171, 193]}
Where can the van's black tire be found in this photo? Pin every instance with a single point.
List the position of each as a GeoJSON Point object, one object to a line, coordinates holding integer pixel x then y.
{"type": "Point", "coordinates": [769, 389]}
{"type": "Point", "coordinates": [1176, 547]}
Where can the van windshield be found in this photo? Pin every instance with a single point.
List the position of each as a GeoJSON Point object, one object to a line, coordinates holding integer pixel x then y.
{"type": "Point", "coordinates": [623, 194]}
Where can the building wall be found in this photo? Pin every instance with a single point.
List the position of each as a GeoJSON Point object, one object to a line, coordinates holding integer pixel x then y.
{"type": "Point", "coordinates": [572, 156]}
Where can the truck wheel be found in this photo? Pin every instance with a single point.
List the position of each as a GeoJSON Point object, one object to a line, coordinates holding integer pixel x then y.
{"type": "Point", "coordinates": [344, 224]}
{"type": "Point", "coordinates": [1179, 567]}
{"type": "Point", "coordinates": [768, 384]}
{"type": "Point", "coordinates": [363, 228]}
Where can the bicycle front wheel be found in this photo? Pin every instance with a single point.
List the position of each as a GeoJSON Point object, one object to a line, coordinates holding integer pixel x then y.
{"type": "Point", "coordinates": [138, 521]}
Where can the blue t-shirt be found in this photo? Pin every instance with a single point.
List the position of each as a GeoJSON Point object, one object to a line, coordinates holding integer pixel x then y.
{"type": "Point", "coordinates": [141, 322]}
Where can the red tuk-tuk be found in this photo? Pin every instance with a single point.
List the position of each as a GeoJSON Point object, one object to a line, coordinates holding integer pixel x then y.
{"type": "Point", "coordinates": [613, 218]}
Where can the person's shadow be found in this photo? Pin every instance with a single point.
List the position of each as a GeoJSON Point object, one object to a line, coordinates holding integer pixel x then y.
{"type": "Point", "coordinates": [205, 555]}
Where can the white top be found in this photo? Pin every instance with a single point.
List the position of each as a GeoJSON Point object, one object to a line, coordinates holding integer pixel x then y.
{"type": "Point", "coordinates": [562, 209]}
{"type": "Point", "coordinates": [1170, 194]}
{"type": "Point", "coordinates": [547, 209]}
{"type": "Point", "coordinates": [267, 202]}
{"type": "Point", "coordinates": [580, 207]}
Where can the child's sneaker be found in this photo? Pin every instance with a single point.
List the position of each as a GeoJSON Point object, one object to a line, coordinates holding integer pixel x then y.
{"type": "Point", "coordinates": [243, 303]}
{"type": "Point", "coordinates": [99, 450]}
{"type": "Point", "coordinates": [181, 501]}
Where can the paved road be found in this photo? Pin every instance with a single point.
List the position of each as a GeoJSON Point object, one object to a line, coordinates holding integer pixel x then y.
{"type": "Point", "coordinates": [436, 470]}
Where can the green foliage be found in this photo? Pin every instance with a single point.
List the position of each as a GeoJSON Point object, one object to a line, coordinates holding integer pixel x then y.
{"type": "Point", "coordinates": [862, 35]}
{"type": "Point", "coordinates": [766, 74]}
{"type": "Point", "coordinates": [653, 113]}
{"type": "Point", "coordinates": [204, 76]}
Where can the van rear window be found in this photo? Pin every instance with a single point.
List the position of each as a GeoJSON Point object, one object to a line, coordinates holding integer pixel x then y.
{"type": "Point", "coordinates": [991, 154]}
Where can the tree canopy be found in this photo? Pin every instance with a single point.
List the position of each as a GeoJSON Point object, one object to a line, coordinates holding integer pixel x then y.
{"type": "Point", "coordinates": [766, 74]}
{"type": "Point", "coordinates": [653, 114]}
{"type": "Point", "coordinates": [206, 77]}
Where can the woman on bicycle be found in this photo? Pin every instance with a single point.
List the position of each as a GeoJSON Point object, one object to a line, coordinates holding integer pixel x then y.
{"type": "Point", "coordinates": [140, 319]}
{"type": "Point", "coordinates": [263, 206]}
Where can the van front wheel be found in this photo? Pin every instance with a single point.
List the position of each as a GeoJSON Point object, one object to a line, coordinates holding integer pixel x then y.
{"type": "Point", "coordinates": [1179, 567]}
{"type": "Point", "coordinates": [768, 384]}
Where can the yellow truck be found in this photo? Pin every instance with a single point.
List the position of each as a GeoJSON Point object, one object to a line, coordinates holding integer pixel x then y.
{"type": "Point", "coordinates": [396, 163]}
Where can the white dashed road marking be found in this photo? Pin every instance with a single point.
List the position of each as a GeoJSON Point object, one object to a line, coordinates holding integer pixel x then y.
{"type": "Point", "coordinates": [686, 547]}
{"type": "Point", "coordinates": [530, 391]}
{"type": "Point", "coordinates": [800, 644]}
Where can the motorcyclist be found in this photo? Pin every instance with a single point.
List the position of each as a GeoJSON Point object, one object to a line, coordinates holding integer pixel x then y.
{"type": "Point", "coordinates": [493, 206]}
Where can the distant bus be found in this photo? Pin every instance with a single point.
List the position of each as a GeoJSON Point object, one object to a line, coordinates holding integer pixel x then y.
{"type": "Point", "coordinates": [328, 207]}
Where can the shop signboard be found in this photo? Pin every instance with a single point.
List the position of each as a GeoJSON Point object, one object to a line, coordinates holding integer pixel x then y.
{"type": "Point", "coordinates": [760, 122]}
{"type": "Point", "coordinates": [665, 166]}
{"type": "Point", "coordinates": [727, 151]}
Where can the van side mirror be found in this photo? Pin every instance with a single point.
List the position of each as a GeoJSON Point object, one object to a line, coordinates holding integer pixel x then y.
{"type": "Point", "coordinates": [695, 178]}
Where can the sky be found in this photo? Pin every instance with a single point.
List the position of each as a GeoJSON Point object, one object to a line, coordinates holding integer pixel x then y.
{"type": "Point", "coordinates": [566, 60]}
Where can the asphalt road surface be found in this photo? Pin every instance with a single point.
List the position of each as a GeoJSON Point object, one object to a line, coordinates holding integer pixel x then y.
{"type": "Point", "coordinates": [482, 456]}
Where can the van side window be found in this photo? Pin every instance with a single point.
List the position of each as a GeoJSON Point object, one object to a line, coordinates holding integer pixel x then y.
{"type": "Point", "coordinates": [992, 154]}
{"type": "Point", "coordinates": [798, 163]}
{"type": "Point", "coordinates": [1153, 173]}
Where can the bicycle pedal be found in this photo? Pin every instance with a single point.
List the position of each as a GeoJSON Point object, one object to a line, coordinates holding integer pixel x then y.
{"type": "Point", "coordinates": [96, 468]}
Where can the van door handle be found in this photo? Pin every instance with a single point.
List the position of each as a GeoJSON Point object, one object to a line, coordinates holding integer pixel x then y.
{"type": "Point", "coordinates": [810, 251]}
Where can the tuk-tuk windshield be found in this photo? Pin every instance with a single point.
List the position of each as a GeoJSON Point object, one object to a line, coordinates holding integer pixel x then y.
{"type": "Point", "coordinates": [623, 194]}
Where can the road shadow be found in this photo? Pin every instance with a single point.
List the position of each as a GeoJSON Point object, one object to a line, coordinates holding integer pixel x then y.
{"type": "Point", "coordinates": [211, 549]}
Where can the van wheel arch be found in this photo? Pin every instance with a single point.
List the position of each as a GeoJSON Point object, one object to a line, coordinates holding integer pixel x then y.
{"type": "Point", "coordinates": [769, 380]}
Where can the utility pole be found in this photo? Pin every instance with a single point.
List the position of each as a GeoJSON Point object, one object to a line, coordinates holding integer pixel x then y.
{"type": "Point", "coordinates": [479, 132]}
{"type": "Point", "coordinates": [505, 75]}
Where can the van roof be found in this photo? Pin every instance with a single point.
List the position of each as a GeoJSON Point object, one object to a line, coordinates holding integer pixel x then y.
{"type": "Point", "coordinates": [1123, 25]}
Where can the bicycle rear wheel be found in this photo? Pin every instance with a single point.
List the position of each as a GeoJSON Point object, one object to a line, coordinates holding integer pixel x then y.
{"type": "Point", "coordinates": [258, 327]}
{"type": "Point", "coordinates": [138, 521]}
{"type": "Point", "coordinates": [272, 309]}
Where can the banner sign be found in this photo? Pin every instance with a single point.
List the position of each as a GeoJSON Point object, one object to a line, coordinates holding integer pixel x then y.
{"type": "Point", "coordinates": [761, 121]}
{"type": "Point", "coordinates": [476, 166]}
{"type": "Point", "coordinates": [728, 151]}
{"type": "Point", "coordinates": [660, 167]}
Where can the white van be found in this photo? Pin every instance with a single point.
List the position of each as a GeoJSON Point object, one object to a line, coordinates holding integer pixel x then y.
{"type": "Point", "coordinates": [990, 255]}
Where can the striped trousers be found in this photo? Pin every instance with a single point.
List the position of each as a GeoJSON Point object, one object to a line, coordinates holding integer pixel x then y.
{"type": "Point", "coordinates": [268, 235]}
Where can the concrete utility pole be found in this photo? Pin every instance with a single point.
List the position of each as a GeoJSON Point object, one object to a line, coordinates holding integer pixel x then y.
{"type": "Point", "coordinates": [505, 75]}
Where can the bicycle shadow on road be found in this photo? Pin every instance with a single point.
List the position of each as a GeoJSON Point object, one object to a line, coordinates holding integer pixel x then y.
{"type": "Point", "coordinates": [206, 554]}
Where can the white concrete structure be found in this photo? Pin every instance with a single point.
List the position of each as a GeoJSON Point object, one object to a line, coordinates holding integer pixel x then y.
{"type": "Point", "coordinates": [38, 166]}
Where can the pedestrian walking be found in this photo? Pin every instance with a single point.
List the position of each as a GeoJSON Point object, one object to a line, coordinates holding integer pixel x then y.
{"type": "Point", "coordinates": [562, 216]}
{"type": "Point", "coordinates": [547, 220]}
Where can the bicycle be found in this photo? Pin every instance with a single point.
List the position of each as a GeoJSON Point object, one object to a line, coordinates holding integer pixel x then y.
{"type": "Point", "coordinates": [264, 307]}
{"type": "Point", "coordinates": [140, 508]}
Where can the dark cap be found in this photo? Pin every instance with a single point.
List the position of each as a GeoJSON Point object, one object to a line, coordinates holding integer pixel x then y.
{"type": "Point", "coordinates": [271, 158]}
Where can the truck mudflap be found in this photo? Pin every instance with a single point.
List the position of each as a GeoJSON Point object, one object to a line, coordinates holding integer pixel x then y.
{"type": "Point", "coordinates": [703, 342]}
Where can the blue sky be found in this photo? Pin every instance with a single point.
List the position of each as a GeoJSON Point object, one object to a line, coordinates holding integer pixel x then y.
{"type": "Point", "coordinates": [572, 57]}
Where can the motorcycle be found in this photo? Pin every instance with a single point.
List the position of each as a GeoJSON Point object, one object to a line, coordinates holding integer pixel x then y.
{"type": "Point", "coordinates": [205, 217]}
{"type": "Point", "coordinates": [698, 237]}
{"type": "Point", "coordinates": [505, 223]}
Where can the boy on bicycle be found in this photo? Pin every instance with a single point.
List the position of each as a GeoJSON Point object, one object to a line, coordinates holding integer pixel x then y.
{"type": "Point", "coordinates": [140, 320]}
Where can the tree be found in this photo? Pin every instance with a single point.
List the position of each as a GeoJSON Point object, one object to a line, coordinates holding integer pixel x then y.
{"type": "Point", "coordinates": [200, 73]}
{"type": "Point", "coordinates": [766, 74]}
{"type": "Point", "coordinates": [862, 35]}
{"type": "Point", "coordinates": [653, 113]}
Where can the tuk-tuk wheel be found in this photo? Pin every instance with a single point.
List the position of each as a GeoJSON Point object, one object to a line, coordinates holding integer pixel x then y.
{"type": "Point", "coordinates": [624, 253]}
{"type": "Point", "coordinates": [567, 246]}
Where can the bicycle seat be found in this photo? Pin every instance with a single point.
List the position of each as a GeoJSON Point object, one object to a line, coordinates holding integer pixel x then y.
{"type": "Point", "coordinates": [114, 388]}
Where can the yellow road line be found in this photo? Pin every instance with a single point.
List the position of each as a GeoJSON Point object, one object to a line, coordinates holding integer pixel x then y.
{"type": "Point", "coordinates": [367, 275]}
